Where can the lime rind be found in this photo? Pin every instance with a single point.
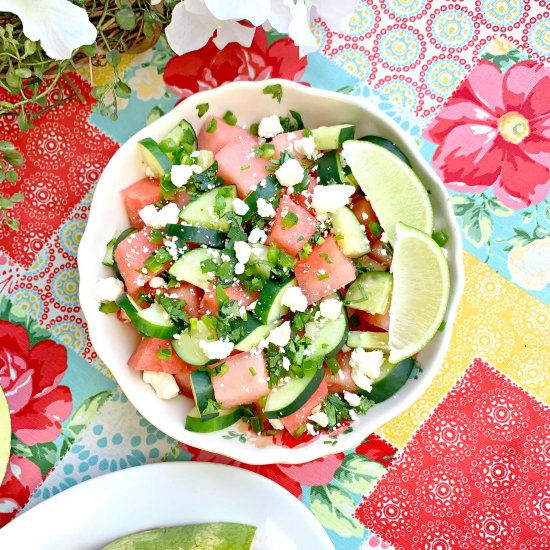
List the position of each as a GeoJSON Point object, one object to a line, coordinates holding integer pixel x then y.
{"type": "Point", "coordinates": [394, 190]}
{"type": "Point", "coordinates": [420, 293]}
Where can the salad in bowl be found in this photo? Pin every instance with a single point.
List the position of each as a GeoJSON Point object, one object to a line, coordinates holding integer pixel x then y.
{"type": "Point", "coordinates": [281, 277]}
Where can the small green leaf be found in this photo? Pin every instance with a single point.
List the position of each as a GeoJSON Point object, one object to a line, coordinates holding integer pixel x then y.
{"type": "Point", "coordinates": [11, 176]}
{"type": "Point", "coordinates": [202, 109]}
{"type": "Point", "coordinates": [154, 114]}
{"type": "Point", "coordinates": [462, 203]}
{"type": "Point", "coordinates": [359, 474]}
{"type": "Point", "coordinates": [478, 226]}
{"type": "Point", "coordinates": [498, 209]}
{"type": "Point", "coordinates": [113, 57]}
{"type": "Point", "coordinates": [6, 146]}
{"type": "Point", "coordinates": [126, 18]}
{"type": "Point", "coordinates": [44, 455]}
{"type": "Point", "coordinates": [275, 91]}
{"type": "Point", "coordinates": [85, 413]}
{"type": "Point", "coordinates": [122, 90]}
{"type": "Point", "coordinates": [14, 158]}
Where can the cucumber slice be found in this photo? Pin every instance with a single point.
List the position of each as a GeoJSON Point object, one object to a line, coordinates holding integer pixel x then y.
{"type": "Point", "coordinates": [205, 159]}
{"type": "Point", "coordinates": [152, 322]}
{"type": "Point", "coordinates": [332, 137]}
{"type": "Point", "coordinates": [226, 418]}
{"type": "Point", "coordinates": [352, 239]}
{"type": "Point", "coordinates": [293, 395]}
{"type": "Point", "coordinates": [119, 239]}
{"type": "Point", "coordinates": [329, 169]}
{"type": "Point", "coordinates": [387, 144]}
{"type": "Point", "coordinates": [154, 157]}
{"type": "Point", "coordinates": [201, 386]}
{"type": "Point", "coordinates": [250, 332]}
{"type": "Point", "coordinates": [188, 267]}
{"type": "Point", "coordinates": [108, 258]}
{"type": "Point", "coordinates": [371, 292]}
{"type": "Point", "coordinates": [196, 234]}
{"type": "Point", "coordinates": [265, 191]}
{"type": "Point", "coordinates": [392, 378]}
{"type": "Point", "coordinates": [183, 134]}
{"type": "Point", "coordinates": [269, 308]}
{"type": "Point", "coordinates": [202, 211]}
{"type": "Point", "coordinates": [327, 336]}
{"type": "Point", "coordinates": [368, 340]}
{"type": "Point", "coordinates": [259, 260]}
{"type": "Point", "coordinates": [187, 346]}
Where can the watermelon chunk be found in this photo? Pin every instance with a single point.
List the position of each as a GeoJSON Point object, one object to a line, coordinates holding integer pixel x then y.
{"type": "Point", "coordinates": [295, 420]}
{"type": "Point", "coordinates": [183, 380]}
{"type": "Point", "coordinates": [291, 239]}
{"type": "Point", "coordinates": [130, 255]}
{"type": "Point", "coordinates": [238, 164]}
{"type": "Point", "coordinates": [209, 303]}
{"type": "Point", "coordinates": [303, 199]}
{"type": "Point", "coordinates": [324, 271]}
{"type": "Point", "coordinates": [191, 294]}
{"type": "Point", "coordinates": [221, 136]}
{"type": "Point", "coordinates": [182, 198]}
{"type": "Point", "coordinates": [238, 386]}
{"type": "Point", "coordinates": [341, 381]}
{"type": "Point", "coordinates": [145, 357]}
{"type": "Point", "coordinates": [285, 142]}
{"type": "Point", "coordinates": [137, 196]}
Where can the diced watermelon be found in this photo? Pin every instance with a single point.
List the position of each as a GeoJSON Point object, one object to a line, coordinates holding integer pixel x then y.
{"type": "Point", "coordinates": [182, 198]}
{"type": "Point", "coordinates": [122, 316]}
{"type": "Point", "coordinates": [341, 381]}
{"type": "Point", "coordinates": [291, 239]}
{"type": "Point", "coordinates": [365, 214]}
{"type": "Point", "coordinates": [324, 271]}
{"type": "Point", "coordinates": [209, 303]}
{"type": "Point", "coordinates": [145, 357]}
{"type": "Point", "coordinates": [222, 135]}
{"type": "Point", "coordinates": [295, 420]}
{"type": "Point", "coordinates": [379, 253]}
{"type": "Point", "coordinates": [183, 379]}
{"type": "Point", "coordinates": [304, 198]}
{"type": "Point", "coordinates": [137, 196]}
{"type": "Point", "coordinates": [238, 164]}
{"type": "Point", "coordinates": [130, 255]}
{"type": "Point", "coordinates": [285, 142]}
{"type": "Point", "coordinates": [372, 322]}
{"type": "Point", "coordinates": [239, 386]}
{"type": "Point", "coordinates": [191, 294]}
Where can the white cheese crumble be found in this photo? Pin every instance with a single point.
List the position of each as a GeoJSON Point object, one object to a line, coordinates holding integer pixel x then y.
{"type": "Point", "coordinates": [280, 336]}
{"type": "Point", "coordinates": [290, 173]}
{"type": "Point", "coordinates": [242, 251]}
{"type": "Point", "coordinates": [306, 146]}
{"type": "Point", "coordinates": [216, 349]}
{"type": "Point", "coordinates": [352, 398]}
{"type": "Point", "coordinates": [331, 308]}
{"type": "Point", "coordinates": [270, 126]}
{"type": "Point", "coordinates": [239, 268]}
{"type": "Point", "coordinates": [257, 235]}
{"type": "Point", "coordinates": [159, 218]}
{"type": "Point", "coordinates": [384, 237]}
{"type": "Point", "coordinates": [240, 207]}
{"type": "Point", "coordinates": [108, 289]}
{"type": "Point", "coordinates": [164, 384]}
{"type": "Point", "coordinates": [265, 209]}
{"type": "Point", "coordinates": [365, 367]}
{"type": "Point", "coordinates": [157, 282]}
{"type": "Point", "coordinates": [320, 418]}
{"type": "Point", "coordinates": [329, 198]}
{"type": "Point", "coordinates": [311, 430]}
{"type": "Point", "coordinates": [294, 298]}
{"type": "Point", "coordinates": [277, 424]}
{"type": "Point", "coordinates": [286, 362]}
{"type": "Point", "coordinates": [180, 174]}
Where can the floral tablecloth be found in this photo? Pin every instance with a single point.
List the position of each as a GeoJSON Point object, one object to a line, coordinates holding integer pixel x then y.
{"type": "Point", "coordinates": [467, 466]}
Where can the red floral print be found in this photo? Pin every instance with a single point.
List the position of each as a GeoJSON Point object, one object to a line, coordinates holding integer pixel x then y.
{"type": "Point", "coordinates": [495, 131]}
{"type": "Point", "coordinates": [375, 448]}
{"type": "Point", "coordinates": [210, 67]}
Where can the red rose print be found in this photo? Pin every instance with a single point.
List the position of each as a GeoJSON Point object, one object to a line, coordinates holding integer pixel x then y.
{"type": "Point", "coordinates": [375, 448]}
{"type": "Point", "coordinates": [210, 67]}
{"type": "Point", "coordinates": [22, 478]}
{"type": "Point", "coordinates": [30, 379]}
{"type": "Point", "coordinates": [495, 131]}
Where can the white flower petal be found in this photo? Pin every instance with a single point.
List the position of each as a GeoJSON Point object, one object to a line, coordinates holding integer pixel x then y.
{"type": "Point", "coordinates": [60, 26]}
{"type": "Point", "coordinates": [256, 11]}
{"type": "Point", "coordinates": [337, 15]}
{"type": "Point", "coordinates": [280, 15]}
{"type": "Point", "coordinates": [231, 31]}
{"type": "Point", "coordinates": [196, 6]}
{"type": "Point", "coordinates": [299, 29]}
{"type": "Point", "coordinates": [189, 31]}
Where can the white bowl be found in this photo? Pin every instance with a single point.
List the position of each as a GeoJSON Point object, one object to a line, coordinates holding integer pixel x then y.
{"type": "Point", "coordinates": [115, 342]}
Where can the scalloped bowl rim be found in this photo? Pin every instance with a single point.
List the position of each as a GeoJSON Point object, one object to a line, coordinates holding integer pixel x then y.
{"type": "Point", "coordinates": [106, 332]}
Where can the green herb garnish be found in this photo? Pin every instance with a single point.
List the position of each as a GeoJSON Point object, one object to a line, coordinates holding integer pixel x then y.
{"type": "Point", "coordinates": [202, 109]}
{"type": "Point", "coordinates": [109, 307]}
{"type": "Point", "coordinates": [230, 118]}
{"type": "Point", "coordinates": [375, 228]}
{"type": "Point", "coordinates": [440, 237]}
{"type": "Point", "coordinates": [289, 220]}
{"type": "Point", "coordinates": [211, 126]}
{"type": "Point", "coordinates": [164, 353]}
{"type": "Point", "coordinates": [275, 91]}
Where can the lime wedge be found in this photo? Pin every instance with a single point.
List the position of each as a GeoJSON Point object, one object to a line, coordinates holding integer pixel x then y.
{"type": "Point", "coordinates": [420, 292]}
{"type": "Point", "coordinates": [394, 190]}
{"type": "Point", "coordinates": [5, 435]}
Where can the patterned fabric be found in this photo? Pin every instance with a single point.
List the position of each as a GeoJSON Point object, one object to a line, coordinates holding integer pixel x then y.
{"type": "Point", "coordinates": [438, 70]}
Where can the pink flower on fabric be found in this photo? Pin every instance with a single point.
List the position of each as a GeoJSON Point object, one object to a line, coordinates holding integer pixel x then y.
{"type": "Point", "coordinates": [495, 131]}
{"type": "Point", "coordinates": [30, 379]}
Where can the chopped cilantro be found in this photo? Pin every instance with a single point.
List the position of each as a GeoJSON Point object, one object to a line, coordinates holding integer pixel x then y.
{"type": "Point", "coordinates": [206, 180]}
{"type": "Point", "coordinates": [211, 126]}
{"type": "Point", "coordinates": [337, 409]}
{"type": "Point", "coordinates": [230, 118]}
{"type": "Point", "coordinates": [292, 123]}
{"type": "Point", "coordinates": [164, 353]}
{"type": "Point", "coordinates": [289, 220]}
{"type": "Point", "coordinates": [275, 91]}
{"type": "Point", "coordinates": [176, 309]}
{"type": "Point", "coordinates": [109, 307]}
{"type": "Point", "coordinates": [157, 259]}
{"type": "Point", "coordinates": [332, 364]}
{"type": "Point", "coordinates": [202, 109]}
{"type": "Point", "coordinates": [375, 228]}
{"type": "Point", "coordinates": [305, 252]}
{"type": "Point", "coordinates": [440, 237]}
{"type": "Point", "coordinates": [245, 167]}
{"type": "Point", "coordinates": [325, 257]}
{"type": "Point", "coordinates": [254, 128]}
{"type": "Point", "coordinates": [322, 276]}
{"type": "Point", "coordinates": [252, 371]}
{"type": "Point", "coordinates": [156, 236]}
{"type": "Point", "coordinates": [212, 408]}
{"type": "Point", "coordinates": [220, 370]}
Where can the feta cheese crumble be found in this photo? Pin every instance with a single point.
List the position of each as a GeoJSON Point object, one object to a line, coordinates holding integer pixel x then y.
{"type": "Point", "coordinates": [164, 384]}
{"type": "Point", "coordinates": [311, 430]}
{"type": "Point", "coordinates": [157, 282]}
{"type": "Point", "coordinates": [307, 147]}
{"type": "Point", "coordinates": [286, 362]}
{"type": "Point", "coordinates": [365, 367]}
{"type": "Point", "coordinates": [239, 268]}
{"type": "Point", "coordinates": [242, 251]}
{"type": "Point", "coordinates": [294, 299]}
{"type": "Point", "coordinates": [352, 398]}
{"type": "Point", "coordinates": [329, 198]}
{"type": "Point", "coordinates": [108, 289]}
{"type": "Point", "coordinates": [180, 174]}
{"type": "Point", "coordinates": [331, 308]}
{"type": "Point", "coordinates": [280, 336]}
{"type": "Point", "coordinates": [159, 218]}
{"type": "Point", "coordinates": [265, 209]}
{"type": "Point", "coordinates": [277, 424]}
{"type": "Point", "coordinates": [290, 173]}
{"type": "Point", "coordinates": [384, 237]}
{"type": "Point", "coordinates": [216, 349]}
{"type": "Point", "coordinates": [240, 207]}
{"type": "Point", "coordinates": [270, 126]}
{"type": "Point", "coordinates": [320, 418]}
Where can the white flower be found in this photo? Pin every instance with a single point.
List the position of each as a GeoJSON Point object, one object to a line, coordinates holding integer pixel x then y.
{"type": "Point", "coordinates": [60, 26]}
{"type": "Point", "coordinates": [529, 265]}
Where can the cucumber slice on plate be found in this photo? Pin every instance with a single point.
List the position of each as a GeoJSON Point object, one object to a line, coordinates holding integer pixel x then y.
{"type": "Point", "coordinates": [248, 332]}
{"type": "Point", "coordinates": [188, 348]}
{"type": "Point", "coordinates": [204, 211]}
{"type": "Point", "coordinates": [183, 134]}
{"type": "Point", "coordinates": [332, 137]}
{"type": "Point", "coordinates": [263, 190]}
{"type": "Point", "coordinates": [188, 267]}
{"type": "Point", "coordinates": [118, 240]}
{"type": "Point", "coordinates": [269, 307]}
{"type": "Point", "coordinates": [152, 322]}
{"type": "Point", "coordinates": [226, 418]}
{"type": "Point", "coordinates": [108, 257]}
{"type": "Point", "coordinates": [371, 292]}
{"type": "Point", "coordinates": [197, 234]}
{"type": "Point", "coordinates": [387, 144]}
{"type": "Point", "coordinates": [203, 392]}
{"type": "Point", "coordinates": [293, 395]}
{"type": "Point", "coordinates": [392, 378]}
{"type": "Point", "coordinates": [368, 340]}
{"type": "Point", "coordinates": [154, 157]}
{"type": "Point", "coordinates": [352, 239]}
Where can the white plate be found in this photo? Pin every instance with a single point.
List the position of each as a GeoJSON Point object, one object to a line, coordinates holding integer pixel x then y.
{"type": "Point", "coordinates": [115, 342]}
{"type": "Point", "coordinates": [94, 513]}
